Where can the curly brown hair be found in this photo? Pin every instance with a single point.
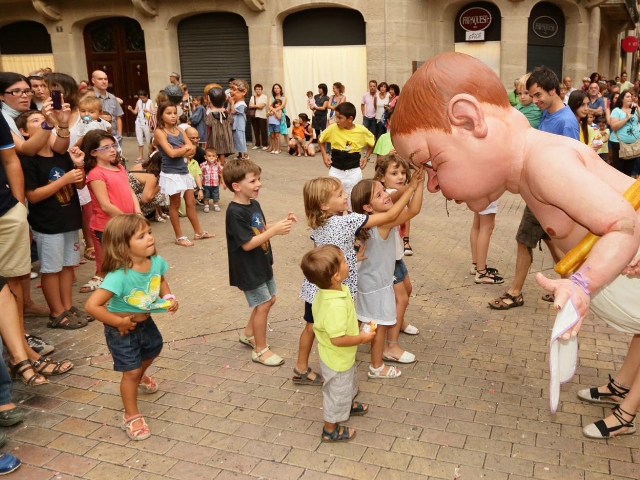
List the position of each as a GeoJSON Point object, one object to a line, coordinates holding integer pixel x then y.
{"type": "Point", "coordinates": [383, 162]}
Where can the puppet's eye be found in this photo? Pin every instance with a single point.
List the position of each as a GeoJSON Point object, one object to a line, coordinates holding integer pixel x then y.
{"type": "Point", "coordinates": [428, 164]}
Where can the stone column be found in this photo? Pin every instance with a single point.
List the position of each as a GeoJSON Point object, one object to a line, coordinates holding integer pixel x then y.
{"type": "Point", "coordinates": [513, 48]}
{"type": "Point", "coordinates": [161, 45]}
{"type": "Point", "coordinates": [68, 50]}
{"type": "Point", "coordinates": [593, 39]}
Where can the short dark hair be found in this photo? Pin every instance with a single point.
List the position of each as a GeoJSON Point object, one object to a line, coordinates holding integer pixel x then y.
{"type": "Point", "coordinates": [304, 117]}
{"type": "Point", "coordinates": [23, 118]}
{"type": "Point", "coordinates": [545, 78]}
{"type": "Point", "coordinates": [611, 83]}
{"type": "Point", "coordinates": [324, 88]}
{"type": "Point", "coordinates": [258, 85]}
{"type": "Point", "coordinates": [9, 78]}
{"type": "Point", "coordinates": [601, 119]}
{"type": "Point", "coordinates": [235, 171]}
{"type": "Point", "coordinates": [373, 81]}
{"type": "Point", "coordinates": [347, 109]}
{"type": "Point", "coordinates": [320, 264]}
{"type": "Point", "coordinates": [143, 93]}
{"type": "Point", "coordinates": [620, 99]}
{"type": "Point", "coordinates": [395, 88]}
{"type": "Point", "coordinates": [231, 80]}
{"type": "Point", "coordinates": [386, 85]}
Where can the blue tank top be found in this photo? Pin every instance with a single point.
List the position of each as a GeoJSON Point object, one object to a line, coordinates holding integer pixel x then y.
{"type": "Point", "coordinates": [176, 165]}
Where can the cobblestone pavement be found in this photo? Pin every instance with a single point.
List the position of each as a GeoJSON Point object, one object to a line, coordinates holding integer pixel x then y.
{"type": "Point", "coordinates": [474, 405]}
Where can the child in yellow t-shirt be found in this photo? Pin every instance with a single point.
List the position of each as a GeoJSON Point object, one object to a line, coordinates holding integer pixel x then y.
{"type": "Point", "coordinates": [602, 134]}
{"type": "Point", "coordinates": [336, 328]}
{"type": "Point", "coordinates": [196, 173]}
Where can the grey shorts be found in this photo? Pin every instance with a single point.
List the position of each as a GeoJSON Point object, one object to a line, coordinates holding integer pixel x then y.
{"type": "Point", "coordinates": [57, 250]}
{"type": "Point", "coordinates": [338, 391]}
{"type": "Point", "coordinates": [262, 294]}
{"type": "Point", "coordinates": [530, 232]}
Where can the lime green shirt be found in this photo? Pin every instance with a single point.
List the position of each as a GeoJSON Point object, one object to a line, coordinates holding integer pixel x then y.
{"type": "Point", "coordinates": [383, 145]}
{"type": "Point", "coordinates": [334, 315]}
{"type": "Point", "coordinates": [194, 168]}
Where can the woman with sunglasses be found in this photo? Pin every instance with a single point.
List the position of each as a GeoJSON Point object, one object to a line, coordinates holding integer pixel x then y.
{"type": "Point", "coordinates": [109, 187]}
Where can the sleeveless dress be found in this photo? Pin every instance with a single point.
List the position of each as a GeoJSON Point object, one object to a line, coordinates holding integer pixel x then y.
{"type": "Point", "coordinates": [376, 299]}
{"type": "Point", "coordinates": [174, 177]}
{"type": "Point", "coordinates": [220, 136]}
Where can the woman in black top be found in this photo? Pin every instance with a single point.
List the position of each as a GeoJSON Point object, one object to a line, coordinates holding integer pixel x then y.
{"type": "Point", "coordinates": [320, 110]}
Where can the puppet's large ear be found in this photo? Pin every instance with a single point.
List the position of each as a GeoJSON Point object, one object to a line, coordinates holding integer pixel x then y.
{"type": "Point", "coordinates": [465, 111]}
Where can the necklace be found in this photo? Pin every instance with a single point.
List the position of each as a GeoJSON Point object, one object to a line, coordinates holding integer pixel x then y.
{"type": "Point", "coordinates": [173, 131]}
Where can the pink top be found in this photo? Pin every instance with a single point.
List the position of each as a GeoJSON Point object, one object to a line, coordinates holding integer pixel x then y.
{"type": "Point", "coordinates": [368, 101]}
{"type": "Point", "coordinates": [119, 194]}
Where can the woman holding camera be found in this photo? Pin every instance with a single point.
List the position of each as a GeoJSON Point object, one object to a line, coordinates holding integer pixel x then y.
{"type": "Point", "coordinates": [624, 129]}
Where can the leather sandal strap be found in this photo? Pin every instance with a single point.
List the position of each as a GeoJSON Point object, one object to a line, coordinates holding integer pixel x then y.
{"type": "Point", "coordinates": [262, 352]}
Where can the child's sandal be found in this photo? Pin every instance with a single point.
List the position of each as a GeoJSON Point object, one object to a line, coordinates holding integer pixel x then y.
{"type": "Point", "coordinates": [336, 435]}
{"type": "Point", "coordinates": [359, 409]}
{"type": "Point", "coordinates": [150, 386]}
{"type": "Point", "coordinates": [136, 433]}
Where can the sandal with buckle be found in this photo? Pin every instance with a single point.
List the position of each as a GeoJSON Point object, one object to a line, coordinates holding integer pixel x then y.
{"type": "Point", "coordinates": [593, 395]}
{"type": "Point", "coordinates": [358, 409]}
{"type": "Point", "coordinates": [183, 242]}
{"type": "Point", "coordinates": [599, 429]}
{"type": "Point", "coordinates": [474, 269]}
{"type": "Point", "coordinates": [392, 372]}
{"type": "Point", "coordinates": [338, 436]}
{"type": "Point", "coordinates": [150, 386]}
{"type": "Point", "coordinates": [89, 253]}
{"type": "Point", "coordinates": [303, 378]}
{"type": "Point", "coordinates": [42, 363]}
{"type": "Point", "coordinates": [273, 361]}
{"type": "Point", "coordinates": [66, 321]}
{"type": "Point", "coordinates": [500, 304]}
{"type": "Point", "coordinates": [92, 285]}
{"type": "Point", "coordinates": [408, 251]}
{"type": "Point", "coordinates": [19, 369]}
{"type": "Point", "coordinates": [76, 312]}
{"type": "Point", "coordinates": [484, 276]}
{"type": "Point", "coordinates": [203, 236]}
{"type": "Point", "coordinates": [136, 433]}
{"type": "Point", "coordinates": [248, 341]}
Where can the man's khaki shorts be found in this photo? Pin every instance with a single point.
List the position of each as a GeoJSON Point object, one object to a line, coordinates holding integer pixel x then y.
{"type": "Point", "coordinates": [15, 249]}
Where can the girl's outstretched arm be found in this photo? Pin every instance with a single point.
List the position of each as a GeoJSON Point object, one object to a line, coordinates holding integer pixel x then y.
{"type": "Point", "coordinates": [395, 211]}
{"type": "Point", "coordinates": [414, 207]}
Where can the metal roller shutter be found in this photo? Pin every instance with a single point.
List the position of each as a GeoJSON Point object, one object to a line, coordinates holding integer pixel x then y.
{"type": "Point", "coordinates": [213, 48]}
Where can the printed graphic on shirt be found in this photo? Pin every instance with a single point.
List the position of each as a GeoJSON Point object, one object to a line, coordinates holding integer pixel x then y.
{"type": "Point", "coordinates": [257, 224]}
{"type": "Point", "coordinates": [148, 299]}
{"type": "Point", "coordinates": [65, 194]}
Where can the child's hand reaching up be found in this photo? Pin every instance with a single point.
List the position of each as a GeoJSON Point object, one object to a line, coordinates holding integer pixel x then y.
{"type": "Point", "coordinates": [283, 227]}
{"type": "Point", "coordinates": [77, 156]}
{"type": "Point", "coordinates": [126, 325]}
{"type": "Point", "coordinates": [417, 178]}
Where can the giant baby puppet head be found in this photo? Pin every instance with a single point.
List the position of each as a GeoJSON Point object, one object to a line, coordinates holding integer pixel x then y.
{"type": "Point", "coordinates": [453, 118]}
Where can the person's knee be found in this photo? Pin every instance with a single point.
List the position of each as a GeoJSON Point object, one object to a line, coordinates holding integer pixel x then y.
{"type": "Point", "coordinates": [133, 375]}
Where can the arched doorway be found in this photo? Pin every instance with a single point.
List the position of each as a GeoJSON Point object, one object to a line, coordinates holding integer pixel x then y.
{"type": "Point", "coordinates": [323, 45]}
{"type": "Point", "coordinates": [214, 47]}
{"type": "Point", "coordinates": [477, 32]}
{"type": "Point", "coordinates": [116, 46]}
{"type": "Point", "coordinates": [25, 47]}
{"type": "Point", "coordinates": [546, 37]}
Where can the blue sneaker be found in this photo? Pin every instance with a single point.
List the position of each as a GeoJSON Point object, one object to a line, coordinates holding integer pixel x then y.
{"type": "Point", "coordinates": [8, 463]}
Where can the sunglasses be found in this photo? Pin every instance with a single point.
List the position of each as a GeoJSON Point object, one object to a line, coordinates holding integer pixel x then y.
{"type": "Point", "coordinates": [113, 146]}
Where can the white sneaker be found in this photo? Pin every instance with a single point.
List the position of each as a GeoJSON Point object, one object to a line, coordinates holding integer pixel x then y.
{"type": "Point", "coordinates": [216, 208]}
{"type": "Point", "coordinates": [255, 147]}
{"type": "Point", "coordinates": [264, 148]}
{"type": "Point", "coordinates": [206, 209]}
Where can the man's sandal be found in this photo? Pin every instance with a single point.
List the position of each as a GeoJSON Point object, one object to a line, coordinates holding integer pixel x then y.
{"type": "Point", "coordinates": [183, 242]}
{"type": "Point", "coordinates": [500, 304]}
{"type": "Point", "coordinates": [76, 312]}
{"type": "Point", "coordinates": [19, 369]}
{"type": "Point", "coordinates": [141, 432]}
{"type": "Point", "coordinates": [66, 321]}
{"type": "Point", "coordinates": [594, 396]}
{"type": "Point", "coordinates": [42, 363]}
{"type": "Point", "coordinates": [203, 236]}
{"type": "Point", "coordinates": [358, 409]}
{"type": "Point", "coordinates": [303, 378]}
{"type": "Point", "coordinates": [599, 429]}
{"type": "Point", "coordinates": [474, 269]}
{"type": "Point", "coordinates": [150, 386]}
{"type": "Point", "coordinates": [338, 436]}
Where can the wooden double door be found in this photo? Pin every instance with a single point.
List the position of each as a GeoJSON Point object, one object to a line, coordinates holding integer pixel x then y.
{"type": "Point", "coordinates": [116, 46]}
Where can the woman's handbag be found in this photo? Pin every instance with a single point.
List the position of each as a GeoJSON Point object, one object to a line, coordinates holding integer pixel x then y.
{"type": "Point", "coordinates": [630, 150]}
{"type": "Point", "coordinates": [251, 112]}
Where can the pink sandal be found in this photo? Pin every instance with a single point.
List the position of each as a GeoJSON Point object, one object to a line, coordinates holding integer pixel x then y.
{"type": "Point", "coordinates": [136, 433]}
{"type": "Point", "coordinates": [150, 386]}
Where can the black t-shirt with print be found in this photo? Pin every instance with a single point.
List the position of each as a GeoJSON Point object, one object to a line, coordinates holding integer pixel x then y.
{"type": "Point", "coordinates": [247, 269]}
{"type": "Point", "coordinates": [60, 212]}
{"type": "Point", "coordinates": [7, 200]}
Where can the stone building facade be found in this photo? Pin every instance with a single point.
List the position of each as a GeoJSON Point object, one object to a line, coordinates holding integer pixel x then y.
{"type": "Point", "coordinates": [209, 38]}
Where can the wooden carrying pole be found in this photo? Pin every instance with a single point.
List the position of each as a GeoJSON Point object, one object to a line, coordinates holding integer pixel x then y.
{"type": "Point", "coordinates": [580, 252]}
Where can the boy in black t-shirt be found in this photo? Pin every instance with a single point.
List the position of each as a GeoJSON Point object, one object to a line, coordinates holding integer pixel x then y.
{"type": "Point", "coordinates": [55, 217]}
{"type": "Point", "coordinates": [250, 257]}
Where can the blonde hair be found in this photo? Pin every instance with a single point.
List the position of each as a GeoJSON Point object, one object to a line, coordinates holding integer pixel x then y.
{"type": "Point", "coordinates": [321, 264]}
{"type": "Point", "coordinates": [522, 82]}
{"type": "Point", "coordinates": [88, 101]}
{"type": "Point", "coordinates": [116, 237]}
{"type": "Point", "coordinates": [383, 162]}
{"type": "Point", "coordinates": [317, 192]}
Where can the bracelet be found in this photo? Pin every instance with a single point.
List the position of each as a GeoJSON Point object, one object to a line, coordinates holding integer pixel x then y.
{"type": "Point", "coordinates": [581, 281]}
{"type": "Point", "coordinates": [169, 296]}
{"type": "Point", "coordinates": [62, 136]}
{"type": "Point", "coordinates": [60, 127]}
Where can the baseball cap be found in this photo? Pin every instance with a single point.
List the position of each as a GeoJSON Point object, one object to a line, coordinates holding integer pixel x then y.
{"type": "Point", "coordinates": [174, 74]}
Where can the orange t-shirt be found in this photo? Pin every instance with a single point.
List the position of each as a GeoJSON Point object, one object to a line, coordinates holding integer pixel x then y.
{"type": "Point", "coordinates": [298, 131]}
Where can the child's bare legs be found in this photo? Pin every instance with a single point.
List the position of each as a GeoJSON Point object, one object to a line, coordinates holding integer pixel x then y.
{"type": "Point", "coordinates": [190, 203]}
{"type": "Point", "coordinates": [304, 350]}
{"type": "Point", "coordinates": [473, 238]}
{"type": "Point", "coordinates": [29, 306]}
{"type": "Point", "coordinates": [258, 320]}
{"type": "Point", "coordinates": [392, 348]}
{"type": "Point", "coordinates": [174, 218]}
{"type": "Point", "coordinates": [140, 151]}
{"type": "Point", "coordinates": [276, 142]}
{"type": "Point", "coordinates": [377, 347]}
{"type": "Point", "coordinates": [129, 391]}
{"type": "Point", "coordinates": [221, 157]}
{"type": "Point", "coordinates": [51, 284]}
{"type": "Point", "coordinates": [486, 223]}
{"type": "Point", "coordinates": [87, 212]}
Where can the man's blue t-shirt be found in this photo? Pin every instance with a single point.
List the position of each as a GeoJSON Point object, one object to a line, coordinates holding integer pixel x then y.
{"type": "Point", "coordinates": [599, 102]}
{"type": "Point", "coordinates": [563, 122]}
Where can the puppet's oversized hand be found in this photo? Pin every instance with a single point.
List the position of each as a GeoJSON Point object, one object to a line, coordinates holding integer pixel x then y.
{"type": "Point", "coordinates": [564, 289]}
{"type": "Point", "coordinates": [633, 268]}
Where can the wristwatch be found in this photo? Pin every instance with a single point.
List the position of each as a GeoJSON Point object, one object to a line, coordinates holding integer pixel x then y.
{"type": "Point", "coordinates": [45, 126]}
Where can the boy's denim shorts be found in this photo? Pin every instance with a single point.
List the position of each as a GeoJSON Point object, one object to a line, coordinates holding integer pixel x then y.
{"type": "Point", "coordinates": [57, 250]}
{"type": "Point", "coordinates": [211, 192]}
{"type": "Point", "coordinates": [400, 272]}
{"type": "Point", "coordinates": [129, 350]}
{"type": "Point", "coordinates": [261, 294]}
